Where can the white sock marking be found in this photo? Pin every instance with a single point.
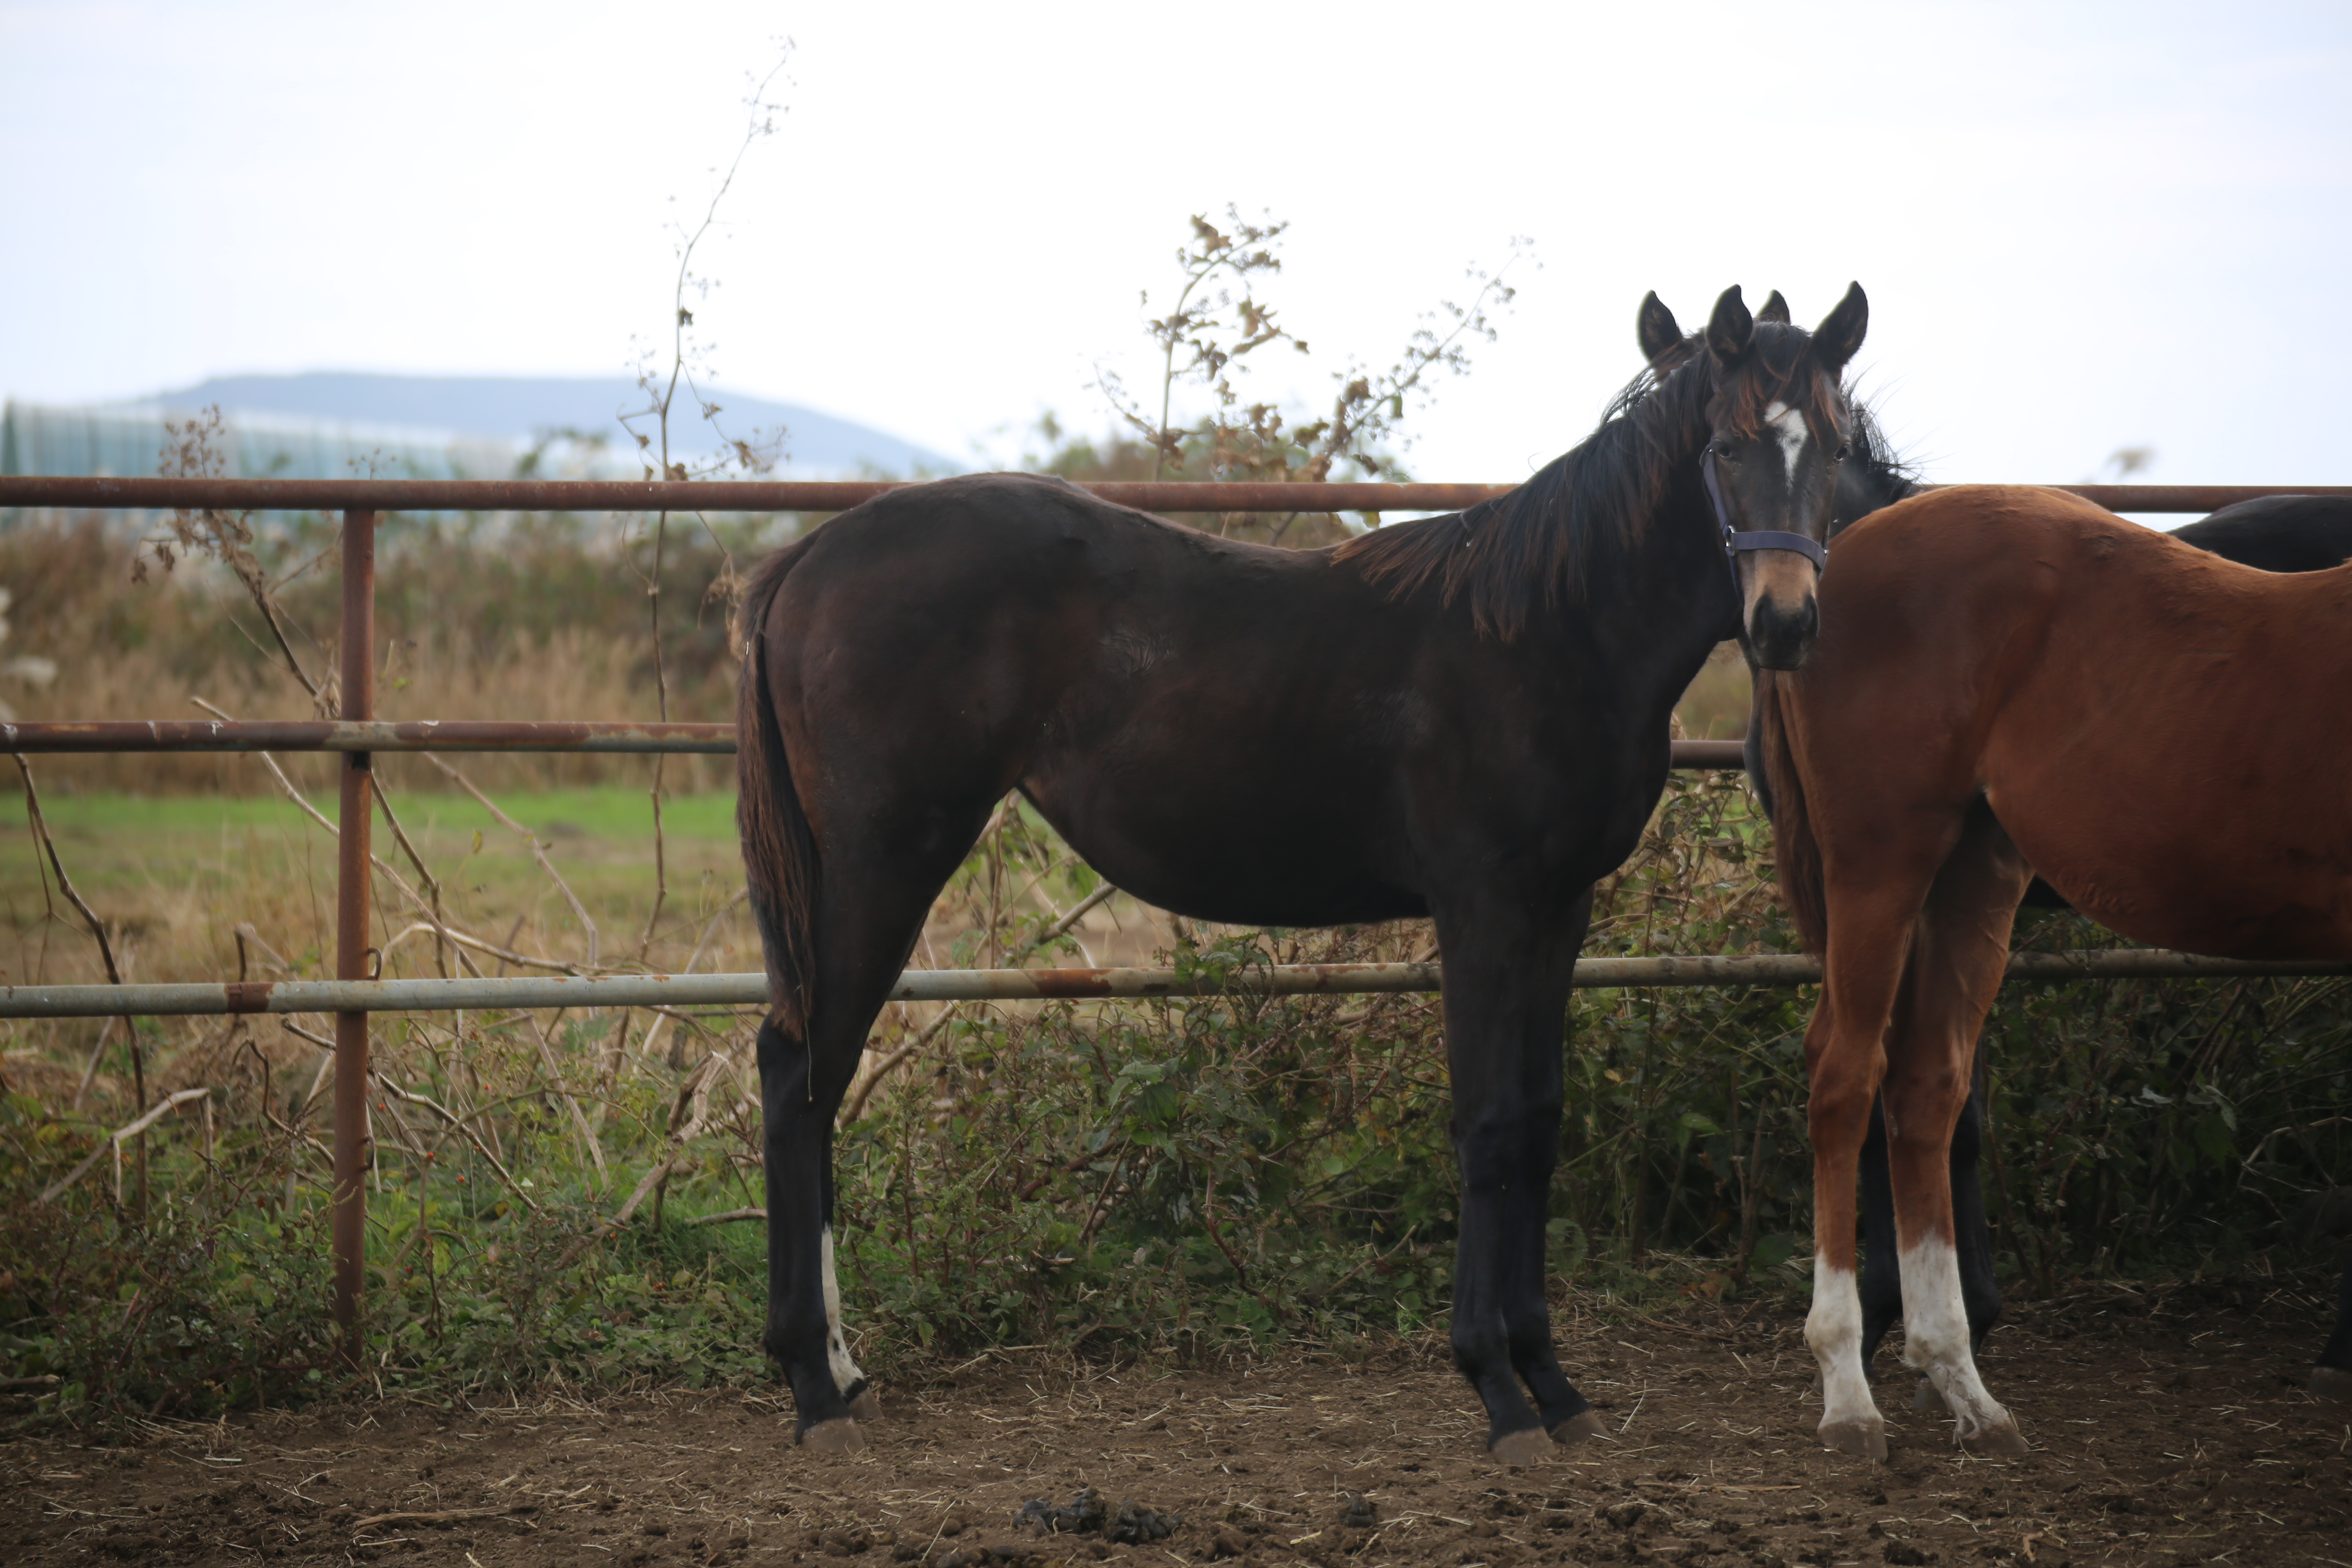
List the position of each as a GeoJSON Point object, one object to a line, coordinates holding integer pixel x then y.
{"type": "Point", "coordinates": [846, 1375]}
{"type": "Point", "coordinates": [1834, 1330]}
{"type": "Point", "coordinates": [1936, 1336]}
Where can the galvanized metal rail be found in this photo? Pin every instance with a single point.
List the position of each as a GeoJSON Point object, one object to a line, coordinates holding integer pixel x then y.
{"type": "Point", "coordinates": [356, 734]}
{"type": "Point", "coordinates": [686, 991]}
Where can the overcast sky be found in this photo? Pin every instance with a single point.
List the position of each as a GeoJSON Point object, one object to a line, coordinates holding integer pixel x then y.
{"type": "Point", "coordinates": [2082, 226]}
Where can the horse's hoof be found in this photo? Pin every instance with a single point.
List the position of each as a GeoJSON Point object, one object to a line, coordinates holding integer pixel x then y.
{"type": "Point", "coordinates": [866, 1406]}
{"type": "Point", "coordinates": [1925, 1397]}
{"type": "Point", "coordinates": [2331, 1383]}
{"type": "Point", "coordinates": [1530, 1446]}
{"type": "Point", "coordinates": [1996, 1441]}
{"type": "Point", "coordinates": [838, 1435]}
{"type": "Point", "coordinates": [1866, 1439]}
{"type": "Point", "coordinates": [1577, 1428]}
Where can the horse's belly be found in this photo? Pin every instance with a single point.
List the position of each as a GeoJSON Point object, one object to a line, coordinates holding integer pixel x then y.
{"type": "Point", "coordinates": [1276, 865]}
{"type": "Point", "coordinates": [2221, 912]}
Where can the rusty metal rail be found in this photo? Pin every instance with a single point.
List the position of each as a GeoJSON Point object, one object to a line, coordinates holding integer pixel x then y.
{"type": "Point", "coordinates": [134, 735]}
{"type": "Point", "coordinates": [837, 494]}
{"type": "Point", "coordinates": [345, 997]}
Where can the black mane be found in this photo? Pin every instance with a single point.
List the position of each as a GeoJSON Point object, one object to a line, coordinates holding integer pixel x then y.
{"type": "Point", "coordinates": [1529, 551]}
{"type": "Point", "coordinates": [1874, 475]}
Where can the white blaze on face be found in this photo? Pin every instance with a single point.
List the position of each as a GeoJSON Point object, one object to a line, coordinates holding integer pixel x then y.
{"type": "Point", "coordinates": [1936, 1336]}
{"type": "Point", "coordinates": [1788, 425]}
{"type": "Point", "coordinates": [1833, 1331]}
{"type": "Point", "coordinates": [846, 1375]}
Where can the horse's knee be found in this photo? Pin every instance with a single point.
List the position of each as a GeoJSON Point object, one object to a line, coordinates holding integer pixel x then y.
{"type": "Point", "coordinates": [1498, 1149]}
{"type": "Point", "coordinates": [1838, 1110]}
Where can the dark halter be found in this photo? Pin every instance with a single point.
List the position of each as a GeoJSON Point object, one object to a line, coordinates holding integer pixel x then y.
{"type": "Point", "coordinates": [1736, 539]}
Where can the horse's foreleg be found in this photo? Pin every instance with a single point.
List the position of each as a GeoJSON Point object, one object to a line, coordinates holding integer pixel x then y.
{"type": "Point", "coordinates": [1497, 985]}
{"type": "Point", "coordinates": [1565, 1414]}
{"type": "Point", "coordinates": [1958, 951]}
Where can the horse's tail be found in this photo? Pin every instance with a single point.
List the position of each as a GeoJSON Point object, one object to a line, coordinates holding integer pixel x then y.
{"type": "Point", "coordinates": [1796, 851]}
{"type": "Point", "coordinates": [780, 856]}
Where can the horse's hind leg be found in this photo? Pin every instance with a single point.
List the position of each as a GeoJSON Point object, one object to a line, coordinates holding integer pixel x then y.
{"type": "Point", "coordinates": [1971, 1231]}
{"type": "Point", "coordinates": [2332, 1377]}
{"type": "Point", "coordinates": [870, 912]}
{"type": "Point", "coordinates": [1960, 948]}
{"type": "Point", "coordinates": [1869, 925]}
{"type": "Point", "coordinates": [1882, 1277]}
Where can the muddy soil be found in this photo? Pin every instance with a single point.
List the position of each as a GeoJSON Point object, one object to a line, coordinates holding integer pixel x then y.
{"type": "Point", "coordinates": [2179, 1437]}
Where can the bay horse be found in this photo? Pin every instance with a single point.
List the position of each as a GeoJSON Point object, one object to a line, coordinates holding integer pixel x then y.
{"type": "Point", "coordinates": [1463, 716]}
{"type": "Point", "coordinates": [2011, 681]}
{"type": "Point", "coordinates": [2272, 533]}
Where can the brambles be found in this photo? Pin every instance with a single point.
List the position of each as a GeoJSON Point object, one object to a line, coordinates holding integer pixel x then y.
{"type": "Point", "coordinates": [1215, 322]}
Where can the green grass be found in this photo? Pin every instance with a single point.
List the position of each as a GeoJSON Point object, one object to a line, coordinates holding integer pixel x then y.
{"type": "Point", "coordinates": [174, 875]}
{"type": "Point", "coordinates": [610, 811]}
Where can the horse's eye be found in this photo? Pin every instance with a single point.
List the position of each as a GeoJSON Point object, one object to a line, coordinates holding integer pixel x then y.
{"type": "Point", "coordinates": [1842, 451]}
{"type": "Point", "coordinates": [1723, 449]}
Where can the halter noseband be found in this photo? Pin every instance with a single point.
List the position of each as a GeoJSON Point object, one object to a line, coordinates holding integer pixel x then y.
{"type": "Point", "coordinates": [1736, 539]}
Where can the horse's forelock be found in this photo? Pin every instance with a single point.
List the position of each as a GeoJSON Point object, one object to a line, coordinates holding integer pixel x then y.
{"type": "Point", "coordinates": [1777, 368]}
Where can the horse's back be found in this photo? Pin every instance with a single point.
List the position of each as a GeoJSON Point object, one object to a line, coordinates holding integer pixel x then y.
{"type": "Point", "coordinates": [2278, 533]}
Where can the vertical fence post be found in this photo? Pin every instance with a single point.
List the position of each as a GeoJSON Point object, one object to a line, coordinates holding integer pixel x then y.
{"type": "Point", "coordinates": [352, 901]}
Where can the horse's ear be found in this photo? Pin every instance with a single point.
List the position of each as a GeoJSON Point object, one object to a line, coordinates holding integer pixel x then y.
{"type": "Point", "coordinates": [1728, 330]}
{"type": "Point", "coordinates": [1775, 309]}
{"type": "Point", "coordinates": [1656, 328]}
{"type": "Point", "coordinates": [1839, 336]}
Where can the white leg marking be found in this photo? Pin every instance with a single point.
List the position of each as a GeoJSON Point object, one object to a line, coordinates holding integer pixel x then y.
{"type": "Point", "coordinates": [1790, 424]}
{"type": "Point", "coordinates": [846, 1375]}
{"type": "Point", "coordinates": [1834, 1330]}
{"type": "Point", "coordinates": [1936, 1336]}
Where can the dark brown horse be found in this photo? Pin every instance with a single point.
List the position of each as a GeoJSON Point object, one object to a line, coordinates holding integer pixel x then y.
{"type": "Point", "coordinates": [1463, 716]}
{"type": "Point", "coordinates": [2011, 681]}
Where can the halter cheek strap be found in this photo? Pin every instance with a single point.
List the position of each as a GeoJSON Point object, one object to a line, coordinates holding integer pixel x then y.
{"type": "Point", "coordinates": [1735, 540]}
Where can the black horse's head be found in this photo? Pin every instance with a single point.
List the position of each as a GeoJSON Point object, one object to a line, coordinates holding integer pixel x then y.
{"type": "Point", "coordinates": [1782, 421]}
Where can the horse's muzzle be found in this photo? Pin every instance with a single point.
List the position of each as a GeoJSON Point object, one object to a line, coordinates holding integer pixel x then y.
{"type": "Point", "coordinates": [1780, 630]}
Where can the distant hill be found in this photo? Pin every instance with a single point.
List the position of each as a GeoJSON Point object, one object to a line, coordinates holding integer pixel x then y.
{"type": "Point", "coordinates": [517, 408]}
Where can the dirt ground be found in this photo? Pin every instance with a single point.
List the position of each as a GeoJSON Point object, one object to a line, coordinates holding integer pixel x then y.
{"type": "Point", "coordinates": [2180, 1436]}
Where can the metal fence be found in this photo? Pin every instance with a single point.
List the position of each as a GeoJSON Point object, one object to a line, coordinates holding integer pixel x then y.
{"type": "Point", "coordinates": [357, 734]}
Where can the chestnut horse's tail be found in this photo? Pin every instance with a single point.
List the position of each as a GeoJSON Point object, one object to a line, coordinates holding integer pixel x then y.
{"type": "Point", "coordinates": [1795, 850]}
{"type": "Point", "coordinates": [780, 857]}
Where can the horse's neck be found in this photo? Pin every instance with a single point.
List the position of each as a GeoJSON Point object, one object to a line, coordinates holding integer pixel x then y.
{"type": "Point", "coordinates": [1660, 605]}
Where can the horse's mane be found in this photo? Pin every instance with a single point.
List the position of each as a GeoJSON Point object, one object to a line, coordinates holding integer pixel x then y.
{"type": "Point", "coordinates": [1869, 448]}
{"type": "Point", "coordinates": [1532, 550]}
